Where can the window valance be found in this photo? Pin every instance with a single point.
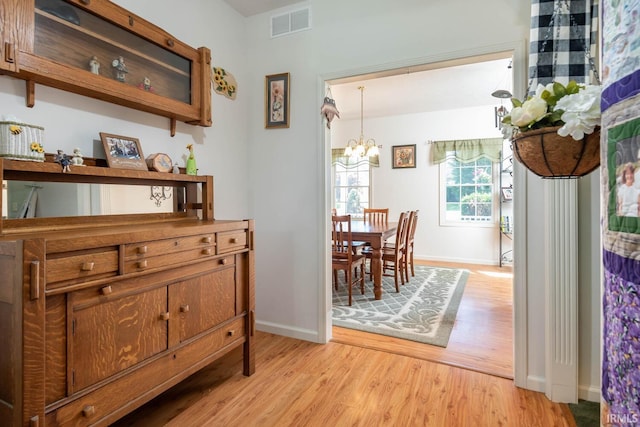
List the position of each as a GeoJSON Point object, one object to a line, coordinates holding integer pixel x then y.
{"type": "Point", "coordinates": [337, 156]}
{"type": "Point", "coordinates": [467, 150]}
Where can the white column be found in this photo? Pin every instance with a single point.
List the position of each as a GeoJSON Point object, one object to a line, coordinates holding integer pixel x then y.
{"type": "Point", "coordinates": [561, 290]}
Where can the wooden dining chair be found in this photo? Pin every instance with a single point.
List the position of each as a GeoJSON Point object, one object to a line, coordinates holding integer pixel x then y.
{"type": "Point", "coordinates": [343, 256]}
{"type": "Point", "coordinates": [408, 249]}
{"type": "Point", "coordinates": [393, 253]}
{"type": "Point", "coordinates": [376, 215]}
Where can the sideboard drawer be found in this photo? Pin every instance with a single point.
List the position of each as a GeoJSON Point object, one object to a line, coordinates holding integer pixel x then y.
{"type": "Point", "coordinates": [171, 259]}
{"type": "Point", "coordinates": [82, 265]}
{"type": "Point", "coordinates": [232, 241]}
{"type": "Point", "coordinates": [161, 247]}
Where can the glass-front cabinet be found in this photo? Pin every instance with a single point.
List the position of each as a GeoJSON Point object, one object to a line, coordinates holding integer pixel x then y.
{"type": "Point", "coordinates": [98, 49]}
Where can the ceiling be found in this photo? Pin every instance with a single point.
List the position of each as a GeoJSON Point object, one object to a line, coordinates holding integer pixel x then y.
{"type": "Point", "coordinates": [254, 7]}
{"type": "Point", "coordinates": [435, 87]}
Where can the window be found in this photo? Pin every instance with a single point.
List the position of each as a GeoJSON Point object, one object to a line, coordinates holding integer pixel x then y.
{"type": "Point", "coordinates": [466, 192]}
{"type": "Point", "coordinates": [351, 186]}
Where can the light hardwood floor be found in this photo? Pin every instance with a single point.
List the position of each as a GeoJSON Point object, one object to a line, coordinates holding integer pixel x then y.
{"type": "Point", "coordinates": [298, 383]}
{"type": "Point", "coordinates": [482, 336]}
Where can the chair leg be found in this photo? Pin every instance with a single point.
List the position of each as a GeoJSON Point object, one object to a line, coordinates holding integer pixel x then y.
{"type": "Point", "coordinates": [349, 283]}
{"type": "Point", "coordinates": [335, 279]}
{"type": "Point", "coordinates": [406, 267]}
{"type": "Point", "coordinates": [362, 279]}
{"type": "Point", "coordinates": [413, 273]}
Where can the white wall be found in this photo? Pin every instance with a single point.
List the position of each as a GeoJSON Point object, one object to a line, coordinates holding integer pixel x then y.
{"type": "Point", "coordinates": [419, 188]}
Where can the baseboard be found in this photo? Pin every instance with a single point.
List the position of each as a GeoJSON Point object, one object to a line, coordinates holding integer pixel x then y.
{"type": "Point", "coordinates": [457, 260]}
{"type": "Point", "coordinates": [585, 392]}
{"type": "Point", "coordinates": [287, 331]}
{"type": "Point", "coordinates": [590, 393]}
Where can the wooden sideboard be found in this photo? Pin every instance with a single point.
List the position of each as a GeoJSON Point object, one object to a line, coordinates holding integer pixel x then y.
{"type": "Point", "coordinates": [98, 315]}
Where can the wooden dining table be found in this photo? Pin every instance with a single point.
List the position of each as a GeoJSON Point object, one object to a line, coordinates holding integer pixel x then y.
{"type": "Point", "coordinates": [375, 235]}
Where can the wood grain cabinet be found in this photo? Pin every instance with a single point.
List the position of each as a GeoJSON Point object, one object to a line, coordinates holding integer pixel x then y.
{"type": "Point", "coordinates": [99, 49]}
{"type": "Point", "coordinates": [99, 317]}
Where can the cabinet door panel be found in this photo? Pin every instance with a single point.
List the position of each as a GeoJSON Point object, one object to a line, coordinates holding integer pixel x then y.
{"type": "Point", "coordinates": [203, 302]}
{"type": "Point", "coordinates": [113, 336]}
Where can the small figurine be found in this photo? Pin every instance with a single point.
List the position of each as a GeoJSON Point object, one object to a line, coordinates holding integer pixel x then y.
{"type": "Point", "coordinates": [191, 162]}
{"type": "Point", "coordinates": [120, 68]}
{"type": "Point", "coordinates": [146, 85]}
{"type": "Point", "coordinates": [77, 159]}
{"type": "Point", "coordinates": [94, 65]}
{"type": "Point", "coordinates": [176, 169]}
{"type": "Point", "coordinates": [64, 161]}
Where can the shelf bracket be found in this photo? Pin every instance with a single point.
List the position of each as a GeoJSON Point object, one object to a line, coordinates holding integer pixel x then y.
{"type": "Point", "coordinates": [31, 93]}
{"type": "Point", "coordinates": [173, 126]}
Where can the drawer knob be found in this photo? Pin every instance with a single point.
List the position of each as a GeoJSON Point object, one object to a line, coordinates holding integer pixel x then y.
{"type": "Point", "coordinates": [206, 239]}
{"type": "Point", "coordinates": [206, 251]}
{"type": "Point", "coordinates": [143, 249]}
{"type": "Point", "coordinates": [231, 333]}
{"type": "Point", "coordinates": [223, 261]}
{"type": "Point", "coordinates": [233, 240]}
{"type": "Point", "coordinates": [87, 266]}
{"type": "Point", "coordinates": [164, 316]}
{"type": "Point", "coordinates": [106, 290]}
{"type": "Point", "coordinates": [142, 264]}
{"type": "Point", "coordinates": [85, 2]}
{"type": "Point", "coordinates": [184, 308]}
{"type": "Point", "coordinates": [170, 42]}
{"type": "Point", "coordinates": [88, 411]}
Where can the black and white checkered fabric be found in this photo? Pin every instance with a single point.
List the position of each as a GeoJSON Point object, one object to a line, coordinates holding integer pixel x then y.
{"type": "Point", "coordinates": [563, 35]}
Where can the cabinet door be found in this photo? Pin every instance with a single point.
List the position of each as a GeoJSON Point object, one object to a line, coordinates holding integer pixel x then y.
{"type": "Point", "coordinates": [111, 336]}
{"type": "Point", "coordinates": [203, 302]}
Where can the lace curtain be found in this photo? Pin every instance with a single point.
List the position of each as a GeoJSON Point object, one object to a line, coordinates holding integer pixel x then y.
{"type": "Point", "coordinates": [337, 156]}
{"type": "Point", "coordinates": [467, 150]}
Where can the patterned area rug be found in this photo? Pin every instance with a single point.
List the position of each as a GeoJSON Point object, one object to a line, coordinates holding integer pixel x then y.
{"type": "Point", "coordinates": [423, 311]}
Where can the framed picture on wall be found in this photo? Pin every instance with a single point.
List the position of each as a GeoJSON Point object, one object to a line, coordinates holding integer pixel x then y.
{"type": "Point", "coordinates": [403, 156]}
{"type": "Point", "coordinates": [277, 101]}
{"type": "Point", "coordinates": [123, 152]}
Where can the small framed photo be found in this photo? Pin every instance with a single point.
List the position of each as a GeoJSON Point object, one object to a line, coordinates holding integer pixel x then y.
{"type": "Point", "coordinates": [507, 193]}
{"type": "Point", "coordinates": [404, 156]}
{"type": "Point", "coordinates": [277, 101]}
{"type": "Point", "coordinates": [123, 152]}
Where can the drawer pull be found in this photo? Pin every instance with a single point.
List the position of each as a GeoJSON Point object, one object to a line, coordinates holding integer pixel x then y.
{"type": "Point", "coordinates": [142, 264]}
{"type": "Point", "coordinates": [231, 333]}
{"type": "Point", "coordinates": [164, 316]}
{"type": "Point", "coordinates": [170, 43]}
{"type": "Point", "coordinates": [106, 290]}
{"type": "Point", "coordinates": [233, 240]}
{"type": "Point", "coordinates": [88, 411]}
{"type": "Point", "coordinates": [35, 280]}
{"type": "Point", "coordinates": [143, 249]}
{"type": "Point", "coordinates": [184, 308]}
{"type": "Point", "coordinates": [206, 239]}
{"type": "Point", "coordinates": [206, 251]}
{"type": "Point", "coordinates": [87, 266]}
{"type": "Point", "coordinates": [85, 2]}
{"type": "Point", "coordinates": [223, 261]}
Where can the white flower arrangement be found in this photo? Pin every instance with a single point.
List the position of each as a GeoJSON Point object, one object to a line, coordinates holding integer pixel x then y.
{"type": "Point", "coordinates": [575, 108]}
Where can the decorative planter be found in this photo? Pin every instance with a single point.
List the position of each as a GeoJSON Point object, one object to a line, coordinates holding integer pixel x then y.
{"type": "Point", "coordinates": [550, 155]}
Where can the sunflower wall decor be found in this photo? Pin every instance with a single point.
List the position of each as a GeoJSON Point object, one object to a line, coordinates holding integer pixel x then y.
{"type": "Point", "coordinates": [224, 83]}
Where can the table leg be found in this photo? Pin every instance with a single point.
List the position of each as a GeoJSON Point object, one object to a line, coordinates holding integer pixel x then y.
{"type": "Point", "coordinates": [376, 268]}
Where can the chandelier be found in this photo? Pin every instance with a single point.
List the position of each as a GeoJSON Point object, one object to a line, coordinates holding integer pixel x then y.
{"type": "Point", "coordinates": [359, 147]}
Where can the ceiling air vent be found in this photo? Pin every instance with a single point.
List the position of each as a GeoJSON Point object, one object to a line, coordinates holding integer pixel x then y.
{"type": "Point", "coordinates": [290, 22]}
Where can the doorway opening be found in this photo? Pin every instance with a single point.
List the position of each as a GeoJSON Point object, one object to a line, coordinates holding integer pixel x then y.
{"type": "Point", "coordinates": [404, 106]}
